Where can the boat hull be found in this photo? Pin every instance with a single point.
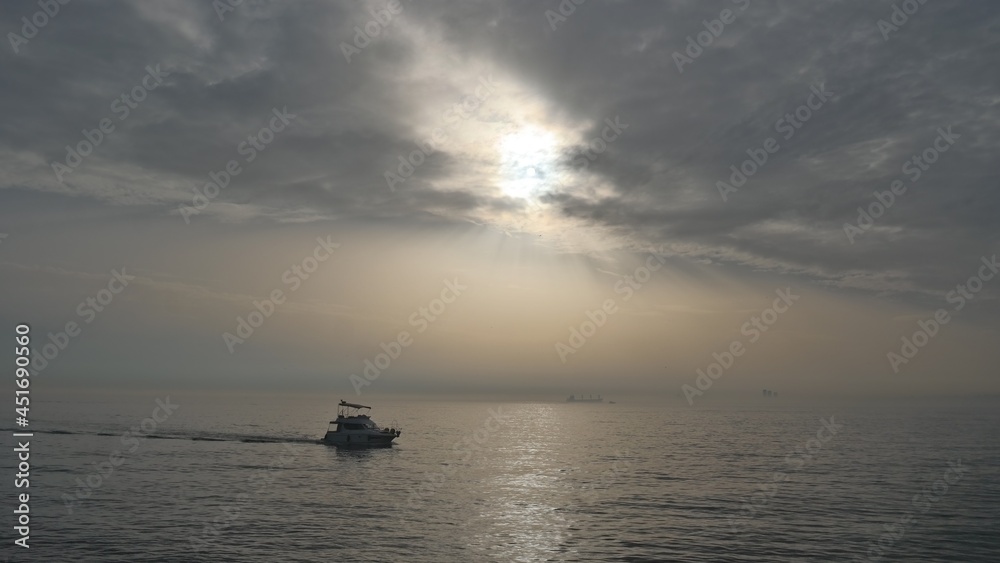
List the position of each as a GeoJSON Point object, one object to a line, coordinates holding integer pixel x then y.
{"type": "Point", "coordinates": [341, 440]}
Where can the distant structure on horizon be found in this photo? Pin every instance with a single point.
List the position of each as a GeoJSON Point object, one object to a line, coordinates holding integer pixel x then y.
{"type": "Point", "coordinates": [769, 393]}
{"type": "Point", "coordinates": [582, 399]}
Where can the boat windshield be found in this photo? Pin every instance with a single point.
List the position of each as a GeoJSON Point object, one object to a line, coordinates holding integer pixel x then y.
{"type": "Point", "coordinates": [366, 425]}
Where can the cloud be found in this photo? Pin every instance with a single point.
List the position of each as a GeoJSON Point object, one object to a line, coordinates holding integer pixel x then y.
{"type": "Point", "coordinates": [656, 184]}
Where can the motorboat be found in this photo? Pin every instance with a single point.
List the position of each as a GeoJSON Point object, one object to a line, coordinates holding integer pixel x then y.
{"type": "Point", "coordinates": [354, 428]}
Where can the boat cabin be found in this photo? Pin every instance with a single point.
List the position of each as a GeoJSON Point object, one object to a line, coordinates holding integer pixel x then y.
{"type": "Point", "coordinates": [354, 426]}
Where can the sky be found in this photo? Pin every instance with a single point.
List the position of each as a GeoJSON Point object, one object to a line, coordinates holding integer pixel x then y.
{"type": "Point", "coordinates": [688, 200]}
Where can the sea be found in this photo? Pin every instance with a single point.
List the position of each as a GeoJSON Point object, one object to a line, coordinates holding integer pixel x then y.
{"type": "Point", "coordinates": [214, 477]}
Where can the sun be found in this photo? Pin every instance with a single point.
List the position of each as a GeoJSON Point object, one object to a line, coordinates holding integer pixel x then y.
{"type": "Point", "coordinates": [528, 162]}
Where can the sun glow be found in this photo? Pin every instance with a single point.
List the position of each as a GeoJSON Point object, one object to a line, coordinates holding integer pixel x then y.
{"type": "Point", "coordinates": [528, 162]}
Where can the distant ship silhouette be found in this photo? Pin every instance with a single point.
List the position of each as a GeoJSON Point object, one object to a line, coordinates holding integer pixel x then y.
{"type": "Point", "coordinates": [587, 399]}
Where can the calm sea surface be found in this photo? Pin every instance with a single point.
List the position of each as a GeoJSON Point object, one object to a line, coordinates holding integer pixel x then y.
{"type": "Point", "coordinates": [244, 479]}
